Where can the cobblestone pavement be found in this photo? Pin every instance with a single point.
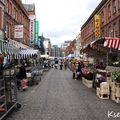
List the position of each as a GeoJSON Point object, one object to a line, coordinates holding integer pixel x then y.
{"type": "Point", "coordinates": [58, 97]}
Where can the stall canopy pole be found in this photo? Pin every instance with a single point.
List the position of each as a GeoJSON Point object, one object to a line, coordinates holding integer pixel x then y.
{"type": "Point", "coordinates": [107, 58]}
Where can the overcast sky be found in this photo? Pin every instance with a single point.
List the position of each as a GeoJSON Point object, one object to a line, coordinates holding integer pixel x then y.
{"type": "Point", "coordinates": [61, 20]}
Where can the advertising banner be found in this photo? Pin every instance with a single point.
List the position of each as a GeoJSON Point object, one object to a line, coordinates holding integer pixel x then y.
{"type": "Point", "coordinates": [31, 31]}
{"type": "Point", "coordinates": [36, 32]}
{"type": "Point", "coordinates": [39, 42]}
{"type": "Point", "coordinates": [18, 31]}
{"type": "Point", "coordinates": [32, 27]}
{"type": "Point", "coordinates": [97, 26]}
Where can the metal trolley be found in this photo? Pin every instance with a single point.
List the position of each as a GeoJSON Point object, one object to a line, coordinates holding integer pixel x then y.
{"type": "Point", "coordinates": [8, 93]}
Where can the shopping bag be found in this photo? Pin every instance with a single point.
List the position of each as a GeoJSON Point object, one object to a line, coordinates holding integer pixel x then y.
{"type": "Point", "coordinates": [24, 84]}
{"type": "Point", "coordinates": [78, 73]}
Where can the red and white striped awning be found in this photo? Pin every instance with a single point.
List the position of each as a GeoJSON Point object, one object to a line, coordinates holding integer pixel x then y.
{"type": "Point", "coordinates": [112, 43]}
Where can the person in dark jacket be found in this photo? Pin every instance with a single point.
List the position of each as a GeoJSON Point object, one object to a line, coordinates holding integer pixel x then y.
{"type": "Point", "coordinates": [79, 72]}
{"type": "Point", "coordinates": [73, 69]}
{"type": "Point", "coordinates": [61, 65]}
{"type": "Point", "coordinates": [21, 75]}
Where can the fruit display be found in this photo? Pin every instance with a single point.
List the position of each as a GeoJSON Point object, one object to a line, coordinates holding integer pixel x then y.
{"type": "Point", "coordinates": [116, 76]}
{"type": "Point", "coordinates": [87, 73]}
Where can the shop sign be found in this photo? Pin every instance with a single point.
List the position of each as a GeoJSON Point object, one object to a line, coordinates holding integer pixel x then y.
{"type": "Point", "coordinates": [36, 32]}
{"type": "Point", "coordinates": [18, 31]}
{"type": "Point", "coordinates": [97, 26]}
{"type": "Point", "coordinates": [32, 26]}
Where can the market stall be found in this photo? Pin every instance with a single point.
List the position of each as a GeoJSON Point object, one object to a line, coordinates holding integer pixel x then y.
{"type": "Point", "coordinates": [106, 55]}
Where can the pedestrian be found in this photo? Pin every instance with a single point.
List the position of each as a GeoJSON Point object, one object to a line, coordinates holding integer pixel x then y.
{"type": "Point", "coordinates": [56, 64]}
{"type": "Point", "coordinates": [65, 64]}
{"type": "Point", "coordinates": [73, 69]}
{"type": "Point", "coordinates": [52, 63]}
{"type": "Point", "coordinates": [21, 76]}
{"type": "Point", "coordinates": [79, 72]}
{"type": "Point", "coordinates": [61, 65]}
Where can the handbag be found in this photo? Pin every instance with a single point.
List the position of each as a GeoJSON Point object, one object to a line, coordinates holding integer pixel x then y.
{"type": "Point", "coordinates": [78, 73]}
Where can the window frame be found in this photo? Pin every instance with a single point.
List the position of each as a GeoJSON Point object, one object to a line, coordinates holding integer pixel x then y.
{"type": "Point", "coordinates": [114, 6]}
{"type": "Point", "coordinates": [109, 11]}
{"type": "Point", "coordinates": [1, 18]}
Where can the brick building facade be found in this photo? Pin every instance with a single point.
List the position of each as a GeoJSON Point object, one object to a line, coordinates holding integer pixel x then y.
{"type": "Point", "coordinates": [109, 11]}
{"type": "Point", "coordinates": [70, 49]}
{"type": "Point", "coordinates": [16, 14]}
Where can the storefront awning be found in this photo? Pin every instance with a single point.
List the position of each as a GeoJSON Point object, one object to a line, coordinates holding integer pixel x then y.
{"type": "Point", "coordinates": [8, 48]}
{"type": "Point", "coordinates": [19, 45]}
{"type": "Point", "coordinates": [112, 43]}
{"type": "Point", "coordinates": [104, 43]}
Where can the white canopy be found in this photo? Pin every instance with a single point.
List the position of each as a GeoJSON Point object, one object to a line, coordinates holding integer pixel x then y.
{"type": "Point", "coordinates": [28, 52]}
{"type": "Point", "coordinates": [71, 55]}
{"type": "Point", "coordinates": [46, 56]}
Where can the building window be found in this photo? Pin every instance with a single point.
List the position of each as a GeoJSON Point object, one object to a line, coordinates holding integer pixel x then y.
{"type": "Point", "coordinates": [16, 14]}
{"type": "Point", "coordinates": [114, 6]}
{"type": "Point", "coordinates": [102, 17]}
{"type": "Point", "coordinates": [7, 30]}
{"type": "Point", "coordinates": [92, 26]}
{"type": "Point", "coordinates": [119, 28]}
{"type": "Point", "coordinates": [103, 33]}
{"type": "Point", "coordinates": [7, 5]}
{"type": "Point", "coordinates": [114, 30]}
{"type": "Point", "coordinates": [109, 11]}
{"type": "Point", "coordinates": [10, 30]}
{"type": "Point", "coordinates": [0, 18]}
{"type": "Point", "coordinates": [20, 17]}
{"type": "Point", "coordinates": [109, 31]}
{"type": "Point", "coordinates": [10, 9]}
{"type": "Point", "coordinates": [118, 4]}
{"type": "Point", "coordinates": [23, 20]}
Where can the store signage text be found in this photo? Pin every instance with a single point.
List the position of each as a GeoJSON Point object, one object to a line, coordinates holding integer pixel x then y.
{"type": "Point", "coordinates": [97, 26]}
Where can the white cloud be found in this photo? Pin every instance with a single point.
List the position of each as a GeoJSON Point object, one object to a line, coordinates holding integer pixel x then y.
{"type": "Point", "coordinates": [61, 20]}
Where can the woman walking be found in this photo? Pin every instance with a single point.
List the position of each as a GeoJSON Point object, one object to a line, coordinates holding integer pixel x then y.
{"type": "Point", "coordinates": [73, 69]}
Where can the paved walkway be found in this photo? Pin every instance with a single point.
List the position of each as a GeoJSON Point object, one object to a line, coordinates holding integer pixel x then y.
{"type": "Point", "coordinates": [58, 97]}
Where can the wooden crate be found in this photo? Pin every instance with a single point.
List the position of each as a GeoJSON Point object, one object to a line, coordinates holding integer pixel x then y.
{"type": "Point", "coordinates": [97, 91]}
{"type": "Point", "coordinates": [112, 96]}
{"type": "Point", "coordinates": [104, 96]}
{"type": "Point", "coordinates": [117, 85]}
{"type": "Point", "coordinates": [117, 92]}
{"type": "Point", "coordinates": [117, 99]}
{"type": "Point", "coordinates": [104, 88]}
{"type": "Point", "coordinates": [87, 83]}
{"type": "Point", "coordinates": [113, 86]}
{"type": "Point", "coordinates": [109, 81]}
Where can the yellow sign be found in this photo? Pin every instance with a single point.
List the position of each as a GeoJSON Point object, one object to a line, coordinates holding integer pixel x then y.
{"type": "Point", "coordinates": [97, 26]}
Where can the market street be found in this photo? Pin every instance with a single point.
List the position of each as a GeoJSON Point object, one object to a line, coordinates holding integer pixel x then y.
{"type": "Point", "coordinates": [58, 97]}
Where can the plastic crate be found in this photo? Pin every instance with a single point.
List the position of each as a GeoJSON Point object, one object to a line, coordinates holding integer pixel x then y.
{"type": "Point", "coordinates": [104, 88]}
